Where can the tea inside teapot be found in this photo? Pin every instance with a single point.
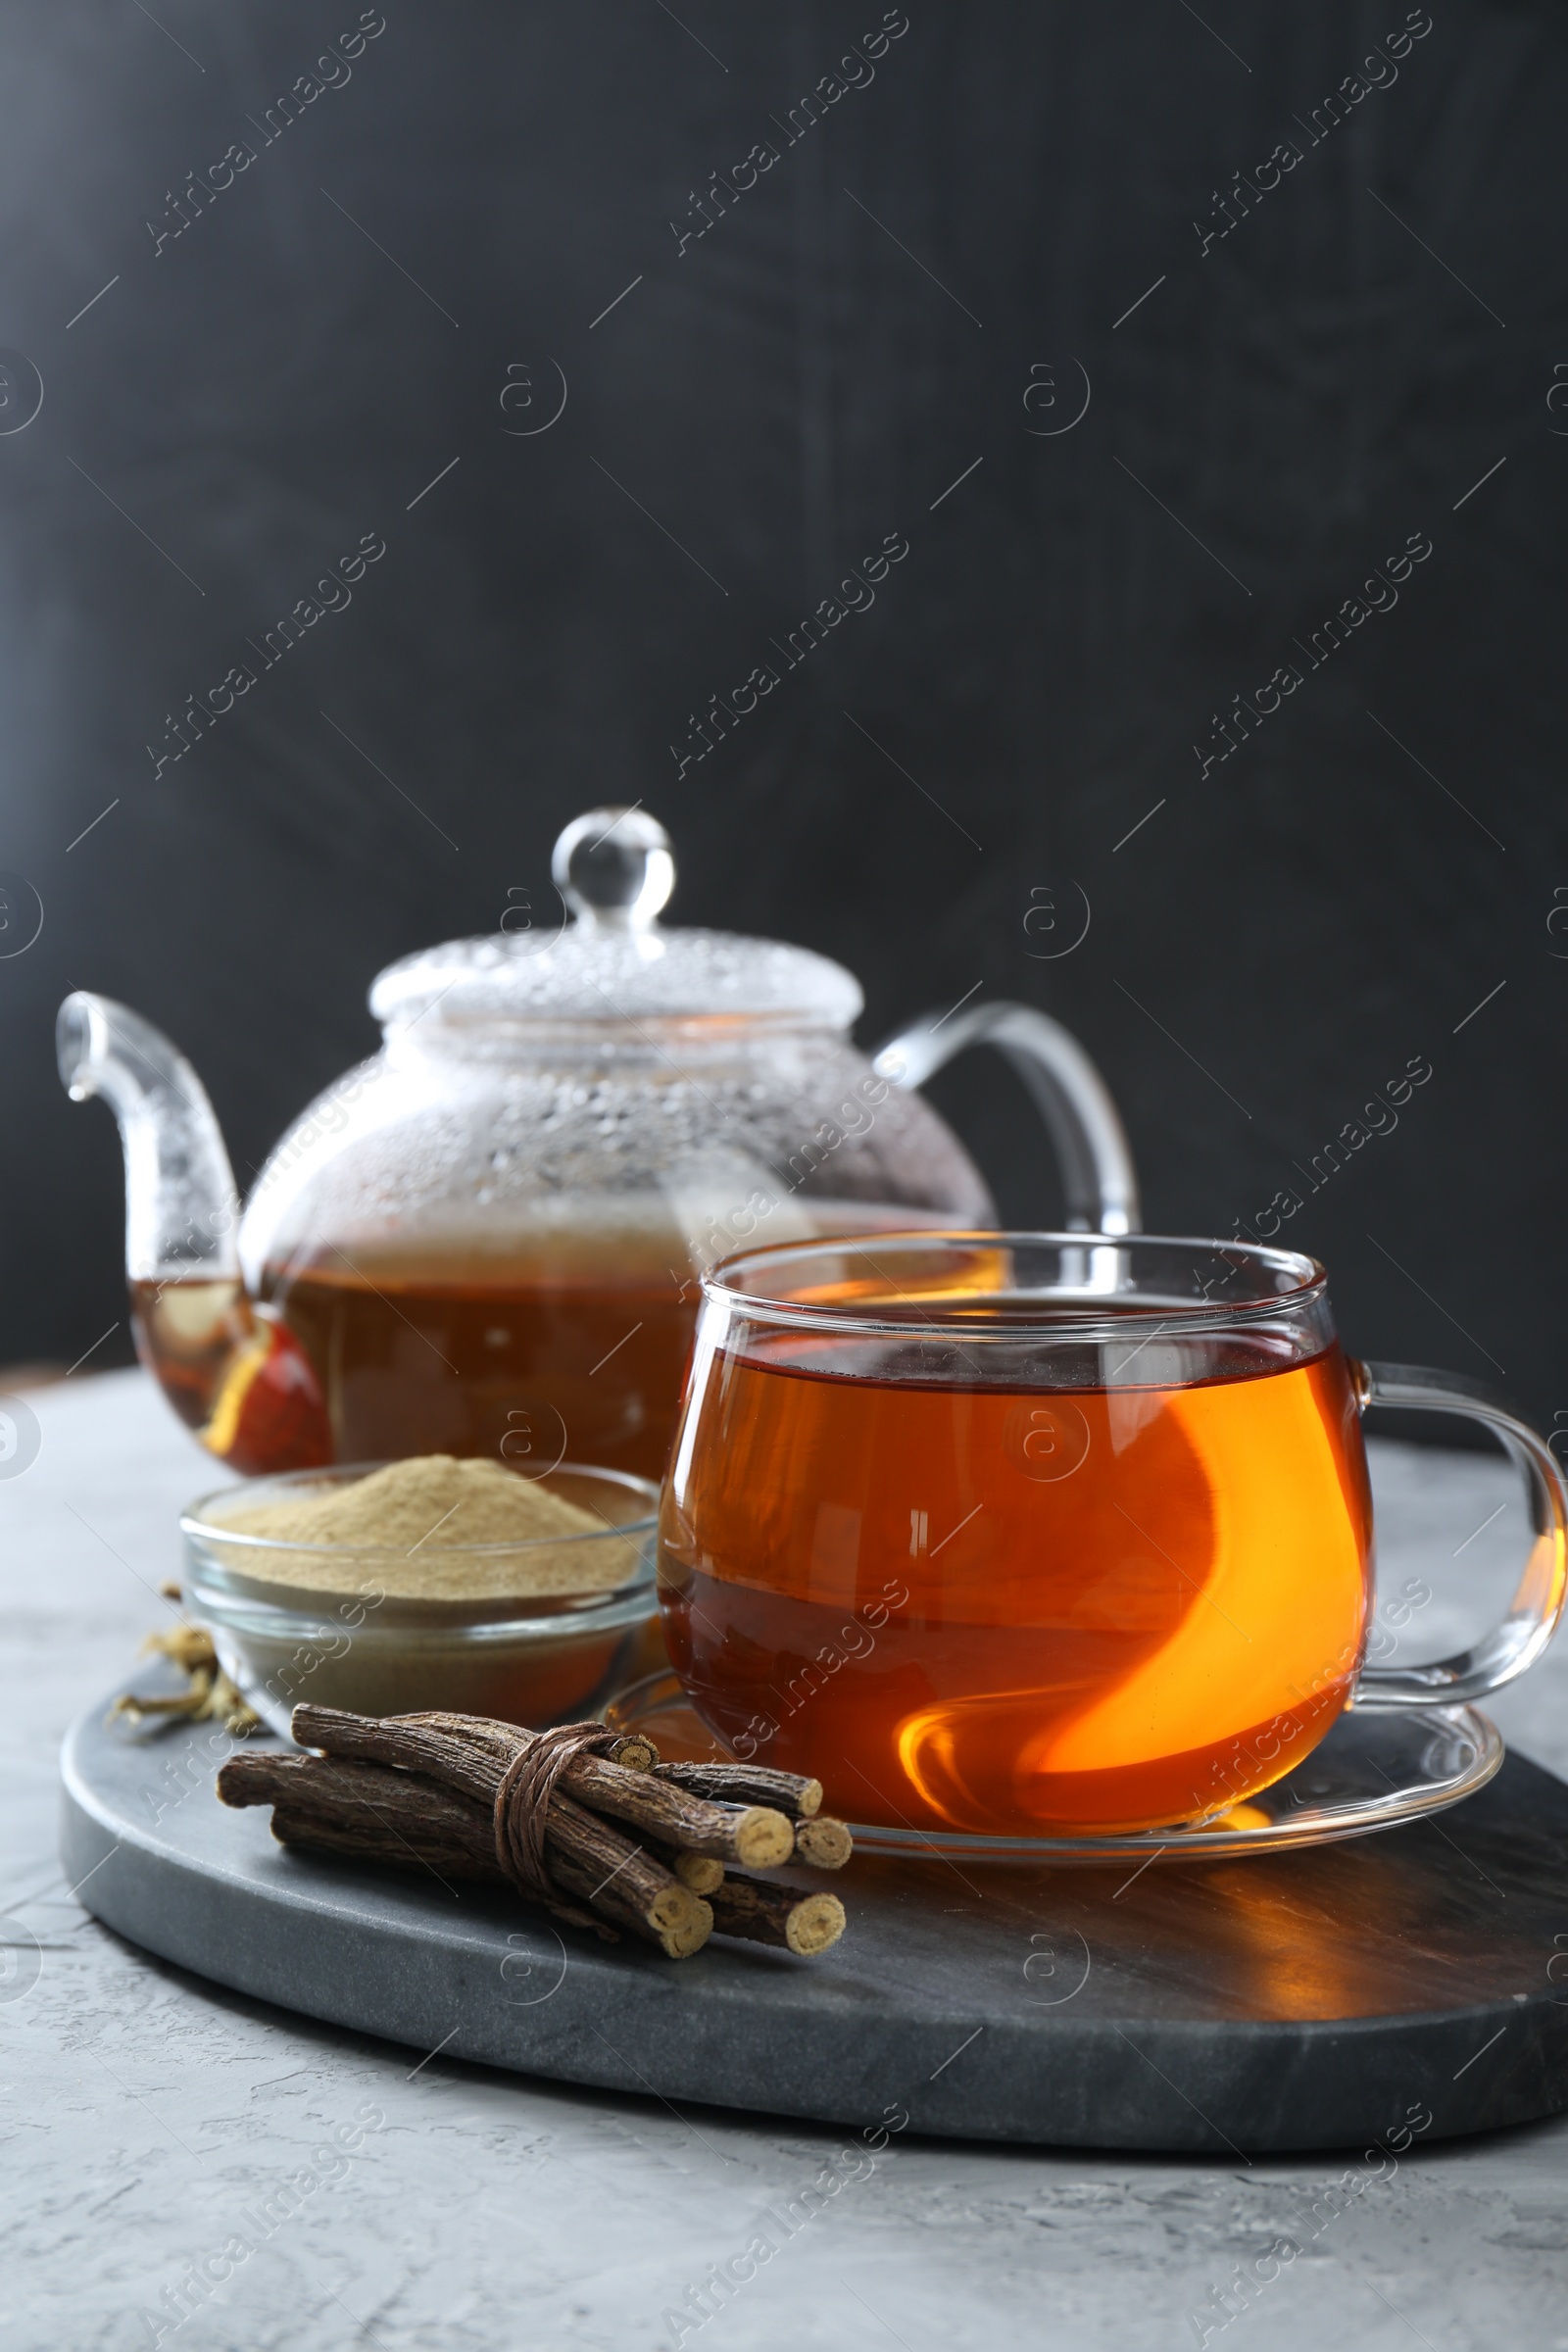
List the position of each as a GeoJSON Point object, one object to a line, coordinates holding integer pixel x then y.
{"type": "Point", "coordinates": [575, 1348]}
{"type": "Point", "coordinates": [569, 1351]}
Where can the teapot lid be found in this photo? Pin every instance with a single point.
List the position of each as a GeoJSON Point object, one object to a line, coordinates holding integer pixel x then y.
{"type": "Point", "coordinates": [614, 869]}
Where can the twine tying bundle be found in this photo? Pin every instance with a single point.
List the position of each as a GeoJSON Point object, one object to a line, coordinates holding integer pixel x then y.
{"type": "Point", "coordinates": [522, 1802]}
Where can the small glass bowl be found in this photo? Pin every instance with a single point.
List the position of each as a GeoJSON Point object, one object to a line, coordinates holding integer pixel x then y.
{"type": "Point", "coordinates": [353, 1641]}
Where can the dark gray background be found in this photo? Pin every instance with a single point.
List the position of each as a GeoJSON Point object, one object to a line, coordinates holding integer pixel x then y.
{"type": "Point", "coordinates": [779, 397]}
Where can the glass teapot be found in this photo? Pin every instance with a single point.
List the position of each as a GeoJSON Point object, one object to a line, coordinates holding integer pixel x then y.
{"type": "Point", "coordinates": [486, 1238]}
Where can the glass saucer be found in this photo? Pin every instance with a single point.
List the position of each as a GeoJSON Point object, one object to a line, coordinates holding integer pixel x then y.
{"type": "Point", "coordinates": [1376, 1769]}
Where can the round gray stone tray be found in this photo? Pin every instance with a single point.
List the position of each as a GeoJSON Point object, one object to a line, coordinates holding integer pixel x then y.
{"type": "Point", "coordinates": [1308, 1999]}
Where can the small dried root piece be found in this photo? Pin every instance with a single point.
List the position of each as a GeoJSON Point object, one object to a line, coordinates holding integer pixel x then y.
{"type": "Point", "coordinates": [210, 1696]}
{"type": "Point", "coordinates": [189, 1645]}
{"type": "Point", "coordinates": [764, 1912]}
{"type": "Point", "coordinates": [825, 1843]}
{"type": "Point", "coordinates": [748, 1784]}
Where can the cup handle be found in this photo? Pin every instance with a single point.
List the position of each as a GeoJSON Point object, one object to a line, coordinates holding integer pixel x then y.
{"type": "Point", "coordinates": [1532, 1620]}
{"type": "Point", "coordinates": [1099, 1183]}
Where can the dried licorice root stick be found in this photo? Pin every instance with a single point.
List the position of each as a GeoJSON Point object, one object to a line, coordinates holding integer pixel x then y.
{"type": "Point", "coordinates": [623, 1880]}
{"type": "Point", "coordinates": [747, 1784]}
{"type": "Point", "coordinates": [361, 1809]}
{"type": "Point", "coordinates": [702, 1873]}
{"type": "Point", "coordinates": [502, 1740]}
{"type": "Point", "coordinates": [472, 1767]}
{"type": "Point", "coordinates": [764, 1912]}
{"type": "Point", "coordinates": [758, 1836]}
{"type": "Point", "coordinates": [469, 1753]}
{"type": "Point", "coordinates": [825, 1843]}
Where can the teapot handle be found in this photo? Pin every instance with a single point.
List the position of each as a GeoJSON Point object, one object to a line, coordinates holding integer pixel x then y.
{"type": "Point", "coordinates": [1099, 1183]}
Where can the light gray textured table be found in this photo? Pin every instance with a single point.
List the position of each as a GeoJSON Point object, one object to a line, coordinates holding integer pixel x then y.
{"type": "Point", "coordinates": [150, 2119]}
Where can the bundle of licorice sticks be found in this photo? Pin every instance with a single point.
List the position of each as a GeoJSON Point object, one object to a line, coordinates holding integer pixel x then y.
{"type": "Point", "coordinates": [466, 1796]}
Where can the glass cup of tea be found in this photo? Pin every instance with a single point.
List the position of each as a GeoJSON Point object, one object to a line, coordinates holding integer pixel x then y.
{"type": "Point", "coordinates": [1044, 1533]}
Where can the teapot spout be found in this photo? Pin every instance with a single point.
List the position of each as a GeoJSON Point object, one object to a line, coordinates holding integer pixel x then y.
{"type": "Point", "coordinates": [234, 1374]}
{"type": "Point", "coordinates": [182, 1208]}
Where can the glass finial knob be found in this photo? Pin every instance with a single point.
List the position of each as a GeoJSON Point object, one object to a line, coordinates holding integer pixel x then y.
{"type": "Point", "coordinates": [614, 867]}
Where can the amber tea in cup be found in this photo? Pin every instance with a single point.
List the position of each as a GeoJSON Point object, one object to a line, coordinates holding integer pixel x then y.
{"type": "Point", "coordinates": [1049, 1533]}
